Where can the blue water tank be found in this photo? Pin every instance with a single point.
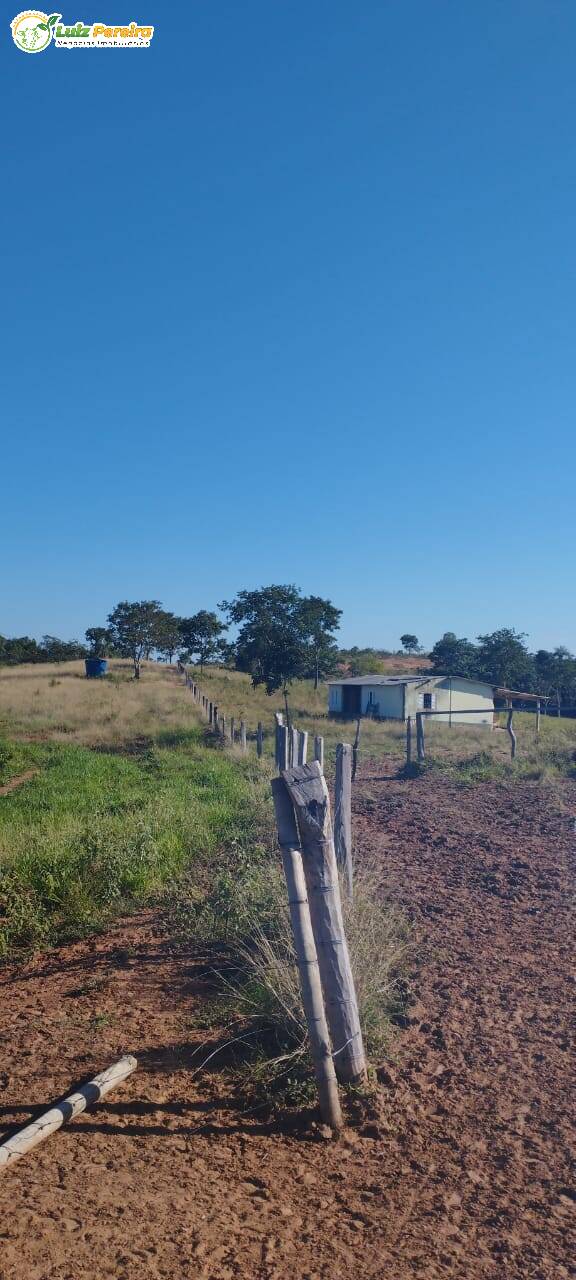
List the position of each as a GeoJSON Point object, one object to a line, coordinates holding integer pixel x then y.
{"type": "Point", "coordinates": [96, 667]}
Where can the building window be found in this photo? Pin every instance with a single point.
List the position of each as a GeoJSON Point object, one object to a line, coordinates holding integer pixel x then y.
{"type": "Point", "coordinates": [429, 701]}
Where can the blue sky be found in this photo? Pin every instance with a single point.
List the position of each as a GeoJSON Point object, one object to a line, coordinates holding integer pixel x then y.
{"type": "Point", "coordinates": [290, 297]}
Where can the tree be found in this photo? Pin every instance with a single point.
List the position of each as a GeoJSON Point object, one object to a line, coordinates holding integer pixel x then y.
{"type": "Point", "coordinates": [319, 619]}
{"type": "Point", "coordinates": [99, 640]}
{"type": "Point", "coordinates": [52, 649]}
{"type": "Point", "coordinates": [503, 659]}
{"type": "Point", "coordinates": [454, 657]}
{"type": "Point", "coordinates": [18, 649]}
{"type": "Point", "coordinates": [409, 643]}
{"type": "Point", "coordinates": [556, 675]}
{"type": "Point", "coordinates": [271, 644]}
{"type": "Point", "coordinates": [201, 636]}
{"type": "Point", "coordinates": [135, 628]}
{"type": "Point", "coordinates": [168, 635]}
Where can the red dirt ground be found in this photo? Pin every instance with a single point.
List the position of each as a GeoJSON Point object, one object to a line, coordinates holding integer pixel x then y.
{"type": "Point", "coordinates": [464, 1172]}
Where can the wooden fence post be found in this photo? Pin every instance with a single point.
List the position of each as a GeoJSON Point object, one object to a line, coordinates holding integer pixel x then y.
{"type": "Point", "coordinates": [408, 741]}
{"type": "Point", "coordinates": [282, 746]}
{"type": "Point", "coordinates": [259, 739]}
{"type": "Point", "coordinates": [302, 746]}
{"type": "Point", "coordinates": [210, 712]}
{"type": "Point", "coordinates": [306, 957]}
{"type": "Point", "coordinates": [319, 750]}
{"type": "Point", "coordinates": [537, 719]}
{"type": "Point", "coordinates": [309, 795]}
{"type": "Point", "coordinates": [420, 735]}
{"type": "Point", "coordinates": [232, 730]}
{"type": "Point", "coordinates": [278, 722]}
{"type": "Point", "coordinates": [242, 736]}
{"type": "Point", "coordinates": [215, 717]}
{"type": "Point", "coordinates": [355, 750]}
{"type": "Point", "coordinates": [223, 727]}
{"type": "Point", "coordinates": [343, 813]}
{"type": "Point", "coordinates": [511, 733]}
{"type": "Point", "coordinates": [293, 745]}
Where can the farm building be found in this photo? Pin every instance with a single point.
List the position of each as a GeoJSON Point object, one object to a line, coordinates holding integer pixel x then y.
{"type": "Point", "coordinates": [396, 697]}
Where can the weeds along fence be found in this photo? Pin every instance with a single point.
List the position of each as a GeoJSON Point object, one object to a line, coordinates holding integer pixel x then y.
{"type": "Point", "coordinates": [316, 851]}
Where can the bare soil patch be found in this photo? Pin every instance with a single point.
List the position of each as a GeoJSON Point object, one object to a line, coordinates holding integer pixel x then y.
{"type": "Point", "coordinates": [17, 782]}
{"type": "Point", "coordinates": [463, 1172]}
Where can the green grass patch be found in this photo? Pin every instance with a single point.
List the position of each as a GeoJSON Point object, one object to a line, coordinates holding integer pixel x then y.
{"type": "Point", "coordinates": [94, 832]}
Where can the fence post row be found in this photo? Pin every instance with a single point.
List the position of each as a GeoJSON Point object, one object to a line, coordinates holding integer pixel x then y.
{"type": "Point", "coordinates": [309, 795]}
{"type": "Point", "coordinates": [306, 957]}
{"type": "Point", "coordinates": [343, 813]}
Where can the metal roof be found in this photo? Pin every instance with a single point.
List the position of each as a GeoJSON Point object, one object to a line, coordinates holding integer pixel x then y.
{"type": "Point", "coordinates": [422, 679]}
{"type": "Point", "coordinates": [375, 679]}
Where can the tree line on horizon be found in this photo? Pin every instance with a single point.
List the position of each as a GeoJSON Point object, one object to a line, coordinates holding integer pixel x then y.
{"type": "Point", "coordinates": [283, 635]}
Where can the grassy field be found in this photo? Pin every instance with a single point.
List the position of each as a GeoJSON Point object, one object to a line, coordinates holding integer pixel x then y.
{"type": "Point", "coordinates": [123, 795]}
{"type": "Point", "coordinates": [113, 794]}
{"type": "Point", "coordinates": [474, 753]}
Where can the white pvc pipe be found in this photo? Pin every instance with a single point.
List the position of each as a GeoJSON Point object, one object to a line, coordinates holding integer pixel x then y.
{"type": "Point", "coordinates": [70, 1107]}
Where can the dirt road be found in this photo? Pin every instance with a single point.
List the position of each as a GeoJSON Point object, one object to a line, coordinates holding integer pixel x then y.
{"type": "Point", "coordinates": [463, 1175]}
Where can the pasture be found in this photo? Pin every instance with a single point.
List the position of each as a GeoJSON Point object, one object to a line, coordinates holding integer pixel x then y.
{"type": "Point", "coordinates": [137, 857]}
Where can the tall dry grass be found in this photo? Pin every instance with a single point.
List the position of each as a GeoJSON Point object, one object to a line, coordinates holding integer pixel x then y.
{"type": "Point", "coordinates": [56, 701]}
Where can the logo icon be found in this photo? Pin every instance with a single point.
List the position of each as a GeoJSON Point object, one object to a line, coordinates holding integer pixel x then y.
{"type": "Point", "coordinates": [32, 31]}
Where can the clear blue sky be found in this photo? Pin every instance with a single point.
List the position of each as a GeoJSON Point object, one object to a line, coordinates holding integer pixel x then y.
{"type": "Point", "coordinates": [290, 297]}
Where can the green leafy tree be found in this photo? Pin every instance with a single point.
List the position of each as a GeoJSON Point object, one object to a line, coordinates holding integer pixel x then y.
{"type": "Point", "coordinates": [168, 635]}
{"type": "Point", "coordinates": [201, 636]}
{"type": "Point", "coordinates": [503, 659]}
{"type": "Point", "coordinates": [270, 644]}
{"type": "Point", "coordinates": [454, 657]}
{"type": "Point", "coordinates": [135, 628]}
{"type": "Point", "coordinates": [19, 649]}
{"type": "Point", "coordinates": [99, 641]}
{"type": "Point", "coordinates": [409, 643]}
{"type": "Point", "coordinates": [361, 662]}
{"type": "Point", "coordinates": [54, 650]}
{"type": "Point", "coordinates": [556, 676]}
{"type": "Point", "coordinates": [318, 620]}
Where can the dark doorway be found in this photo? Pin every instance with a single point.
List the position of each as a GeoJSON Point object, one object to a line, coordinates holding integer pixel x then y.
{"type": "Point", "coordinates": [351, 699]}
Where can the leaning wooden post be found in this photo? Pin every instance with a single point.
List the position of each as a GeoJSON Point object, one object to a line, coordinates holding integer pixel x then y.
{"type": "Point", "coordinates": [511, 733]}
{"type": "Point", "coordinates": [343, 813]}
{"type": "Point", "coordinates": [259, 739]}
{"type": "Point", "coordinates": [420, 735]}
{"type": "Point", "coordinates": [70, 1107]}
{"type": "Point", "coordinates": [302, 746]}
{"type": "Point", "coordinates": [319, 750]}
{"type": "Point", "coordinates": [282, 746]}
{"type": "Point", "coordinates": [355, 750]}
{"type": "Point", "coordinates": [309, 795]}
{"type": "Point", "coordinates": [242, 735]}
{"type": "Point", "coordinates": [537, 719]}
{"type": "Point", "coordinates": [408, 742]}
{"type": "Point", "coordinates": [306, 957]}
